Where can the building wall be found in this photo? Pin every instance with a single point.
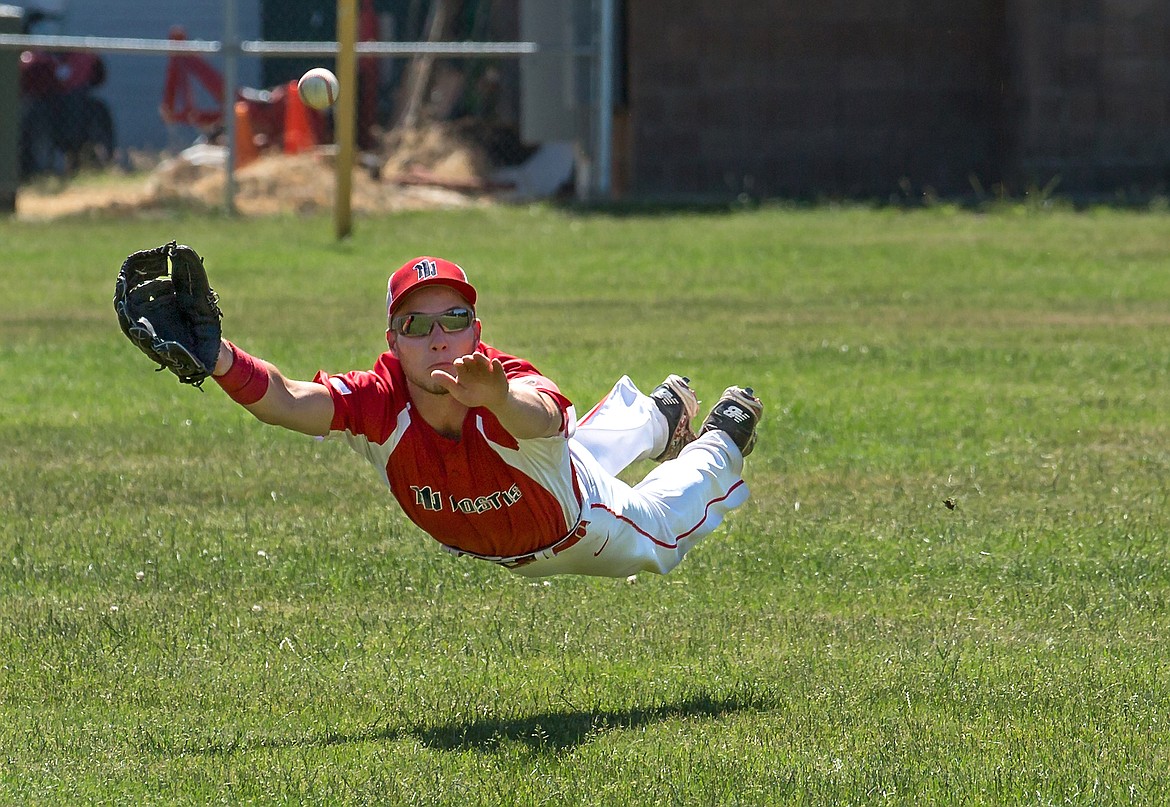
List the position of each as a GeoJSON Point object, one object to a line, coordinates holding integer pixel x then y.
{"type": "Point", "coordinates": [1091, 93]}
{"type": "Point", "coordinates": [893, 99]}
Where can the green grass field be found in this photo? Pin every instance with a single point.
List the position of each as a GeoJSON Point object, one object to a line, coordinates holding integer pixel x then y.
{"type": "Point", "coordinates": [196, 608]}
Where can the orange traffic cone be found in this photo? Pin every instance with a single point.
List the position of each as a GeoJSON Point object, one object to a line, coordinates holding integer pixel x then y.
{"type": "Point", "coordinates": [298, 126]}
{"type": "Point", "coordinates": [246, 149]}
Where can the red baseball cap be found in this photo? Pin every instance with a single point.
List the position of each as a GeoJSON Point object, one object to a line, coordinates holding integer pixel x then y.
{"type": "Point", "coordinates": [426, 271]}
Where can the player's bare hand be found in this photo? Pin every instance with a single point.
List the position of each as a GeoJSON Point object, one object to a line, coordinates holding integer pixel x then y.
{"type": "Point", "coordinates": [475, 380]}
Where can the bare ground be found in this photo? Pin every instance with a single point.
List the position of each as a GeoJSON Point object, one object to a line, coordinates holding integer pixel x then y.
{"type": "Point", "coordinates": [302, 184]}
{"type": "Point", "coordinates": [434, 167]}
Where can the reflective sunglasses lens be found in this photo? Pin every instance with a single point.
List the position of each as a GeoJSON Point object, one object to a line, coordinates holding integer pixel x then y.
{"type": "Point", "coordinates": [412, 325]}
{"type": "Point", "coordinates": [457, 319]}
{"type": "Point", "coordinates": [451, 321]}
{"type": "Point", "coordinates": [417, 325]}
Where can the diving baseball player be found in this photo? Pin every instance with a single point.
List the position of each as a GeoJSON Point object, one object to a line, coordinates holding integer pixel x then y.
{"type": "Point", "coordinates": [487, 456]}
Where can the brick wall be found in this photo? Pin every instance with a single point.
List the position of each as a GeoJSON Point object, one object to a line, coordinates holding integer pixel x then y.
{"type": "Point", "coordinates": [808, 98]}
{"type": "Point", "coordinates": [1091, 92]}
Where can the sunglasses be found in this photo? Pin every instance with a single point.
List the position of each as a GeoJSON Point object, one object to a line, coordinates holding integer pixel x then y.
{"type": "Point", "coordinates": [452, 320]}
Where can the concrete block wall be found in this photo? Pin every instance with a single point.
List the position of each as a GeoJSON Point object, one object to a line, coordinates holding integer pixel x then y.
{"type": "Point", "coordinates": [894, 99]}
{"type": "Point", "coordinates": [1091, 85]}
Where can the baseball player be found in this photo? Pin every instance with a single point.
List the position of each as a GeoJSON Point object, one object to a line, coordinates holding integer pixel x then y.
{"type": "Point", "coordinates": [487, 455]}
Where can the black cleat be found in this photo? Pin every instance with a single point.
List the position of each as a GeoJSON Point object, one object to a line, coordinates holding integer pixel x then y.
{"type": "Point", "coordinates": [676, 400]}
{"type": "Point", "coordinates": [738, 413]}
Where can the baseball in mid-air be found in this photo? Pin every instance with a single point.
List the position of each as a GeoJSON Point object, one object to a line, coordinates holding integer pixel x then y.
{"type": "Point", "coordinates": [319, 88]}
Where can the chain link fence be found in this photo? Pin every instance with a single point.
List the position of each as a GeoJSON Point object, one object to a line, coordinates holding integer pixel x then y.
{"type": "Point", "coordinates": [471, 95]}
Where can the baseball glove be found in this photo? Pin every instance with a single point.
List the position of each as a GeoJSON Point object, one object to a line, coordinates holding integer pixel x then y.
{"type": "Point", "coordinates": [167, 308]}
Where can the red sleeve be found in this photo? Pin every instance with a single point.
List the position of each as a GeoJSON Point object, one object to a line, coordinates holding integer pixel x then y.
{"type": "Point", "coordinates": [366, 402]}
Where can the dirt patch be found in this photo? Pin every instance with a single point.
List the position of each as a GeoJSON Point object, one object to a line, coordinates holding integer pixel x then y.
{"type": "Point", "coordinates": [302, 184]}
{"type": "Point", "coordinates": [440, 166]}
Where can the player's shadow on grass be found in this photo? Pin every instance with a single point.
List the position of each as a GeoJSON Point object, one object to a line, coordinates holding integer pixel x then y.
{"type": "Point", "coordinates": [562, 731]}
{"type": "Point", "coordinates": [549, 732]}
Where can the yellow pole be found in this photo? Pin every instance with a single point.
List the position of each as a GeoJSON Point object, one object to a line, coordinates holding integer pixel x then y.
{"type": "Point", "coordinates": [345, 114]}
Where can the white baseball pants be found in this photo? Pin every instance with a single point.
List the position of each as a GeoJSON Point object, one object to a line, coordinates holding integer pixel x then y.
{"type": "Point", "coordinates": [650, 526]}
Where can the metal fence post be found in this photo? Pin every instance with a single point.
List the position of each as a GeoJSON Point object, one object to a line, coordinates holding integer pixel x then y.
{"type": "Point", "coordinates": [10, 19]}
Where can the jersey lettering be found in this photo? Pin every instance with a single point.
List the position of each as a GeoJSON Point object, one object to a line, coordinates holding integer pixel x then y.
{"type": "Point", "coordinates": [426, 498]}
{"type": "Point", "coordinates": [481, 504]}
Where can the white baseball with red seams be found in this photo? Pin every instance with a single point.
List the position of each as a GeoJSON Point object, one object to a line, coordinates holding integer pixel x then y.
{"type": "Point", "coordinates": [319, 88]}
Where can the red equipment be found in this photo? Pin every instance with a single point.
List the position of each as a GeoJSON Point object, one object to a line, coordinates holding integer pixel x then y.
{"type": "Point", "coordinates": [191, 78]}
{"type": "Point", "coordinates": [63, 124]}
{"type": "Point", "coordinates": [178, 103]}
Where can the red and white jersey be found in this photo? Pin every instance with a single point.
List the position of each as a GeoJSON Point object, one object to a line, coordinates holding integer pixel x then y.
{"type": "Point", "coordinates": [487, 492]}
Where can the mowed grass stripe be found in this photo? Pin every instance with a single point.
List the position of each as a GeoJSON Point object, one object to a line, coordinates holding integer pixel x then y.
{"type": "Point", "coordinates": [949, 586]}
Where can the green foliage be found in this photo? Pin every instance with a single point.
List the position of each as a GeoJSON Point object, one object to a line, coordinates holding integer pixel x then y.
{"type": "Point", "coordinates": [949, 586]}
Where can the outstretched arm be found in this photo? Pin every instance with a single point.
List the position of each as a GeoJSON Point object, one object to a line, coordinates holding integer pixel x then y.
{"type": "Point", "coordinates": [523, 410]}
{"type": "Point", "coordinates": [303, 406]}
